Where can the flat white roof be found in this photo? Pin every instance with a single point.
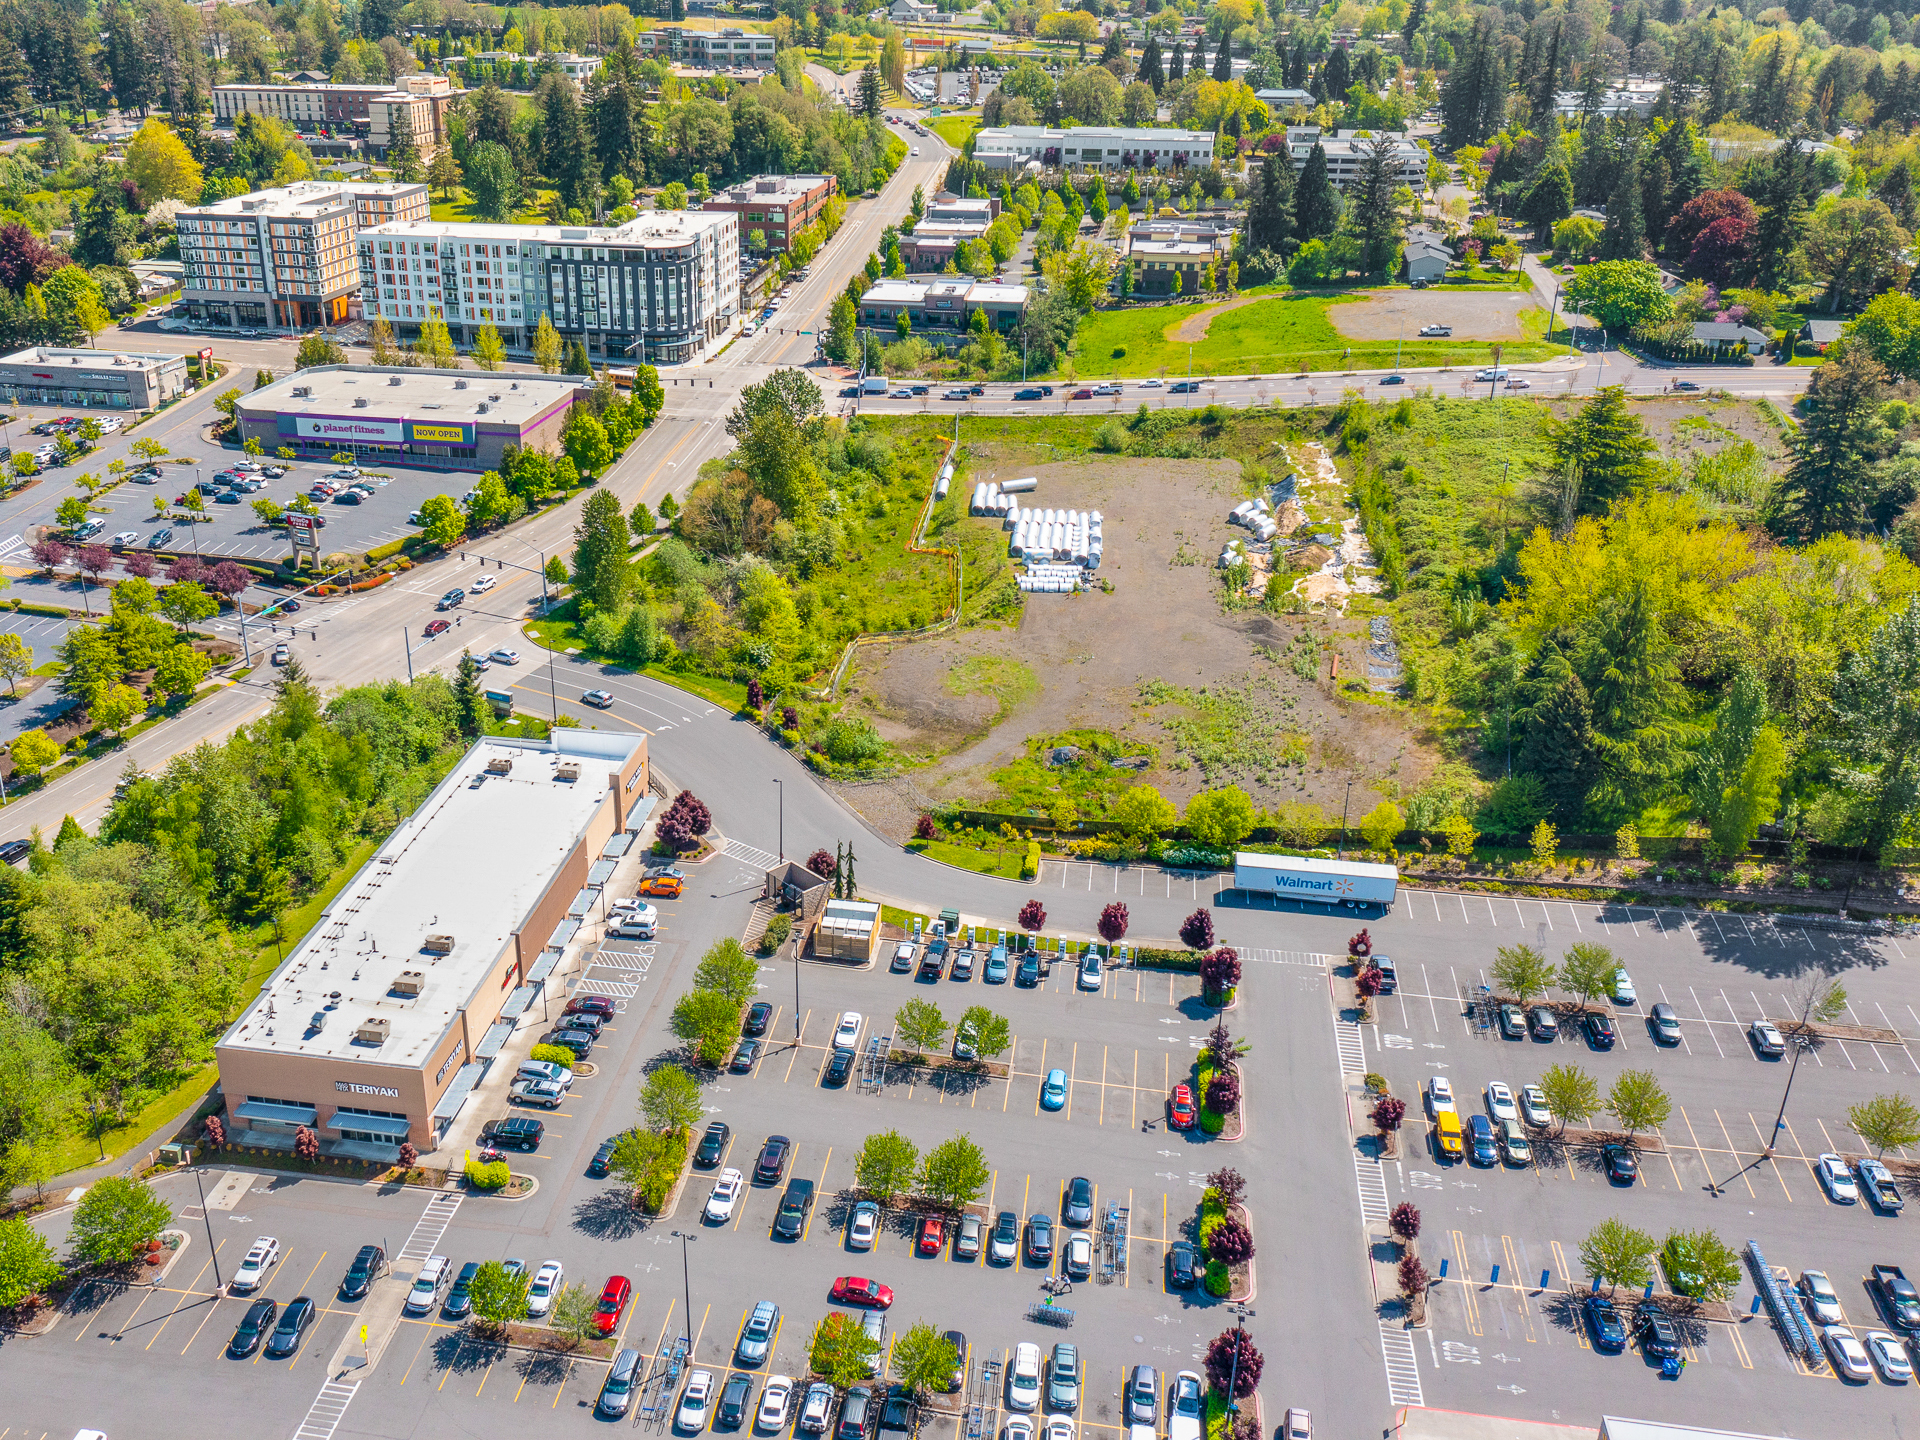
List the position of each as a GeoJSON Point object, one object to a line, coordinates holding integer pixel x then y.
{"type": "Point", "coordinates": [425, 395]}
{"type": "Point", "coordinates": [90, 359]}
{"type": "Point", "coordinates": [649, 225]}
{"type": "Point", "coordinates": [1306, 864]}
{"type": "Point", "coordinates": [471, 862]}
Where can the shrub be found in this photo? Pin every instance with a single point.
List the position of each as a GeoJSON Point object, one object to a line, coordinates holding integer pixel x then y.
{"type": "Point", "coordinates": [1405, 1220]}
{"type": "Point", "coordinates": [756, 697]}
{"type": "Point", "coordinates": [1033, 915]}
{"type": "Point", "coordinates": [306, 1144]}
{"type": "Point", "coordinates": [1231, 1243]}
{"type": "Point", "coordinates": [925, 829]}
{"type": "Point", "coordinates": [409, 1157]}
{"type": "Point", "coordinates": [778, 929]}
{"type": "Point", "coordinates": [1229, 1183]}
{"type": "Point", "coordinates": [1196, 931]}
{"type": "Point", "coordinates": [1213, 1214]}
{"type": "Point", "coordinates": [1217, 1279]}
{"type": "Point", "coordinates": [1413, 1275]}
{"type": "Point", "coordinates": [215, 1131]}
{"type": "Point", "coordinates": [1030, 862]}
{"type": "Point", "coordinates": [553, 1055]}
{"type": "Point", "coordinates": [1369, 981]}
{"type": "Point", "coordinates": [822, 864]}
{"type": "Point", "coordinates": [488, 1174]}
{"type": "Point", "coordinates": [1388, 1111]}
{"type": "Point", "coordinates": [1113, 923]}
{"type": "Point", "coordinates": [1220, 970]}
{"type": "Point", "coordinates": [686, 820]}
{"type": "Point", "coordinates": [1212, 1122]}
{"type": "Point", "coordinates": [1223, 1092]}
{"type": "Point", "coordinates": [1233, 1359]}
{"type": "Point", "coordinates": [1361, 944]}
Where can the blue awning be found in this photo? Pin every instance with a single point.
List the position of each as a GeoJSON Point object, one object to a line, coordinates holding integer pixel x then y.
{"type": "Point", "coordinates": [285, 1114]}
{"type": "Point", "coordinates": [373, 1124]}
{"type": "Point", "coordinates": [517, 1002]}
{"type": "Point", "coordinates": [582, 904]}
{"type": "Point", "coordinates": [463, 1082]}
{"type": "Point", "coordinates": [600, 873]}
{"type": "Point", "coordinates": [494, 1041]}
{"type": "Point", "coordinates": [563, 934]}
{"type": "Point", "coordinates": [543, 967]}
{"type": "Point", "coordinates": [616, 846]}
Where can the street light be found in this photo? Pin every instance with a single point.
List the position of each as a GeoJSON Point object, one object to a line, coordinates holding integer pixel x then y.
{"type": "Point", "coordinates": [686, 1281]}
{"type": "Point", "coordinates": [783, 819]}
{"type": "Point", "coordinates": [1344, 804]}
{"type": "Point", "coordinates": [212, 1253]}
{"type": "Point", "coordinates": [1242, 1311]}
{"type": "Point", "coordinates": [1801, 1044]}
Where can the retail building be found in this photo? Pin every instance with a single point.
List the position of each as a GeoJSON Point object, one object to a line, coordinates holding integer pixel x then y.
{"type": "Point", "coordinates": [446, 419]}
{"type": "Point", "coordinates": [102, 379]}
{"type": "Point", "coordinates": [660, 289]}
{"type": "Point", "coordinates": [284, 258]}
{"type": "Point", "coordinates": [374, 1031]}
{"type": "Point", "coordinates": [942, 304]}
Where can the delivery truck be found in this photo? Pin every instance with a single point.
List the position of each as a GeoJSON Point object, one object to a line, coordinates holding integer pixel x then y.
{"type": "Point", "coordinates": [874, 385]}
{"type": "Point", "coordinates": [1344, 884]}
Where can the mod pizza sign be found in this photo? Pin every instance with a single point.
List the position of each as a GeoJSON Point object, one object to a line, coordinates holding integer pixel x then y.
{"type": "Point", "coordinates": [348, 428]}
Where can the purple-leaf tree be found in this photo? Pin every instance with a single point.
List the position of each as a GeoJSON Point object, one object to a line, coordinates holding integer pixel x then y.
{"type": "Point", "coordinates": [1405, 1220]}
{"type": "Point", "coordinates": [1033, 915]}
{"type": "Point", "coordinates": [1361, 944]}
{"type": "Point", "coordinates": [140, 565]}
{"type": "Point", "coordinates": [924, 828]}
{"type": "Point", "coordinates": [1388, 1111]}
{"type": "Point", "coordinates": [1113, 923]}
{"type": "Point", "coordinates": [686, 820]}
{"type": "Point", "coordinates": [821, 864]}
{"type": "Point", "coordinates": [1231, 1243]}
{"type": "Point", "coordinates": [789, 718]}
{"type": "Point", "coordinates": [229, 578]}
{"type": "Point", "coordinates": [1230, 1183]}
{"type": "Point", "coordinates": [1196, 931]}
{"type": "Point", "coordinates": [306, 1144]}
{"type": "Point", "coordinates": [187, 570]}
{"type": "Point", "coordinates": [409, 1157]}
{"type": "Point", "coordinates": [1369, 981]}
{"type": "Point", "coordinates": [756, 697]}
{"type": "Point", "coordinates": [48, 553]}
{"type": "Point", "coordinates": [215, 1130]}
{"type": "Point", "coordinates": [1220, 970]}
{"type": "Point", "coordinates": [95, 560]}
{"type": "Point", "coordinates": [1413, 1275]}
{"type": "Point", "coordinates": [1223, 1092]}
{"type": "Point", "coordinates": [1233, 1359]}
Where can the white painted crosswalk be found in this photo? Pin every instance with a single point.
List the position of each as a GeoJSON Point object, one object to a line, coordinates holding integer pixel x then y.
{"type": "Point", "coordinates": [1372, 1183]}
{"type": "Point", "coordinates": [1403, 1366]}
{"type": "Point", "coordinates": [1286, 957]}
{"type": "Point", "coordinates": [749, 855]}
{"type": "Point", "coordinates": [328, 1409]}
{"type": "Point", "coordinates": [1353, 1054]}
{"type": "Point", "coordinates": [433, 1224]}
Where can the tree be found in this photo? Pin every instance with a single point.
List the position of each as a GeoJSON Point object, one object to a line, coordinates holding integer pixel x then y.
{"type": "Point", "coordinates": [706, 1020]}
{"type": "Point", "coordinates": [955, 1172]}
{"type": "Point", "coordinates": [1522, 972]}
{"type": "Point", "coordinates": [1316, 203]}
{"type": "Point", "coordinates": [468, 703]}
{"type": "Point", "coordinates": [403, 155]}
{"type": "Point", "coordinates": [574, 1313]}
{"type": "Point", "coordinates": [686, 820]}
{"type": "Point", "coordinates": [923, 1359]}
{"type": "Point", "coordinates": [871, 98]}
{"type": "Point", "coordinates": [1886, 1122]}
{"type": "Point", "coordinates": [443, 174]}
{"type": "Point", "coordinates": [650, 1163]}
{"type": "Point", "coordinates": [1220, 819]}
{"type": "Point", "coordinates": [886, 1165]}
{"type": "Point", "coordinates": [640, 521]}
{"type": "Point", "coordinates": [988, 1032]}
{"type": "Point", "coordinates": [546, 347]}
{"type": "Point", "coordinates": [161, 166]}
{"type": "Point", "coordinates": [1624, 236]}
{"type": "Point", "coordinates": [186, 602]}
{"type": "Point", "coordinates": [1699, 1263]}
{"type": "Point", "coordinates": [117, 708]}
{"type": "Point", "coordinates": [774, 427]}
{"type": "Point", "coordinates": [180, 671]}
{"type": "Point", "coordinates": [70, 512]}
{"type": "Point", "coordinates": [1823, 491]}
{"type": "Point", "coordinates": [1233, 1359]}
{"type": "Point", "coordinates": [1219, 971]}
{"type": "Point", "coordinates": [601, 545]}
{"type": "Point", "coordinates": [841, 1351]}
{"type": "Point", "coordinates": [1889, 328]}
{"type": "Point", "coordinates": [670, 1099]}
{"type": "Point", "coordinates": [1404, 1221]}
{"type": "Point", "coordinates": [1113, 923]}
{"type": "Point", "coordinates": [1382, 825]}
{"type": "Point", "coordinates": [1196, 931]}
{"type": "Point", "coordinates": [16, 660]}
{"type": "Point", "coordinates": [1549, 200]}
{"type": "Point", "coordinates": [1602, 451]}
{"type": "Point", "coordinates": [32, 751]}
{"type": "Point", "coordinates": [498, 1294]}
{"type": "Point", "coordinates": [1412, 1275]}
{"type": "Point", "coordinates": [318, 349]}
{"type": "Point", "coordinates": [27, 1266]}
{"type": "Point", "coordinates": [842, 330]}
{"type": "Point", "coordinates": [489, 350]}
{"type": "Point", "coordinates": [1618, 1254]}
{"type": "Point", "coordinates": [115, 1221]}
{"type": "Point", "coordinates": [1619, 294]}
{"type": "Point", "coordinates": [441, 522]}
{"type": "Point", "coordinates": [1270, 213]}
{"type": "Point", "coordinates": [1586, 970]}
{"type": "Point", "coordinates": [1142, 812]}
{"type": "Point", "coordinates": [1735, 780]}
{"type": "Point", "coordinates": [1876, 700]}
{"type": "Point", "coordinates": [1638, 1103]}
{"type": "Point", "coordinates": [920, 1024]}
{"type": "Point", "coordinates": [493, 183]}
{"type": "Point", "coordinates": [727, 969]}
{"type": "Point", "coordinates": [1858, 248]}
{"type": "Point", "coordinates": [1572, 1095]}
{"type": "Point", "coordinates": [1387, 1114]}
{"type": "Point", "coordinates": [1033, 916]}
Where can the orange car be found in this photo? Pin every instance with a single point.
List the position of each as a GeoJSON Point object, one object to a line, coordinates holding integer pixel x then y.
{"type": "Point", "coordinates": [1181, 1110]}
{"type": "Point", "coordinates": [668, 885]}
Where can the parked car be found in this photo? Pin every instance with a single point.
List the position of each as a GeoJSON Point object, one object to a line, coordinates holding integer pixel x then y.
{"type": "Point", "coordinates": [1657, 1334]}
{"type": "Point", "coordinates": [775, 1396]}
{"type": "Point", "coordinates": [1664, 1024]}
{"type": "Point", "coordinates": [933, 1234]}
{"type": "Point", "coordinates": [1039, 1238]}
{"type": "Point", "coordinates": [724, 1196]}
{"type": "Point", "coordinates": [261, 1257]}
{"type": "Point", "coordinates": [369, 1264]}
{"type": "Point", "coordinates": [966, 1239]}
{"type": "Point", "coordinates": [1182, 1113]}
{"type": "Point", "coordinates": [756, 1336]}
{"type": "Point", "coordinates": [1076, 1207]}
{"type": "Point", "coordinates": [1600, 1031]}
{"type": "Point", "coordinates": [863, 1224]}
{"type": "Point", "coordinates": [1848, 1354]}
{"type": "Point", "coordinates": [1063, 1377]}
{"type": "Point", "coordinates": [1053, 1090]}
{"type": "Point", "coordinates": [1183, 1265]}
{"type": "Point", "coordinates": [1185, 1406]}
{"type": "Point", "coordinates": [713, 1145]}
{"type": "Point", "coordinates": [1023, 1377]}
{"type": "Point", "coordinates": [772, 1163]}
{"type": "Point", "coordinates": [1621, 1166]}
{"type": "Point", "coordinates": [613, 1301]}
{"type": "Point", "coordinates": [547, 1281]}
{"type": "Point", "coordinates": [1608, 1333]}
{"type": "Point", "coordinates": [853, 1290]}
{"type": "Point", "coordinates": [1836, 1179]}
{"type": "Point", "coordinates": [1003, 1245]}
{"type": "Point", "coordinates": [295, 1321]}
{"type": "Point", "coordinates": [691, 1417]}
{"type": "Point", "coordinates": [1543, 1022]}
{"type": "Point", "coordinates": [254, 1326]}
{"type": "Point", "coordinates": [1767, 1039]}
{"type": "Point", "coordinates": [816, 1409]}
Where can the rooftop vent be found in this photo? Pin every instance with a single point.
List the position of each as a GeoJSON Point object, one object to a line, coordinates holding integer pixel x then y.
{"type": "Point", "coordinates": [494, 398]}
{"type": "Point", "coordinates": [438, 945]}
{"type": "Point", "coordinates": [302, 392]}
{"type": "Point", "coordinates": [373, 1030]}
{"type": "Point", "coordinates": [481, 408]}
{"type": "Point", "coordinates": [501, 766]}
{"type": "Point", "coordinates": [459, 384]}
{"type": "Point", "coordinates": [393, 379]}
{"type": "Point", "coordinates": [359, 402]}
{"type": "Point", "coordinates": [410, 982]}
{"type": "Point", "coordinates": [317, 1023]}
{"type": "Point", "coordinates": [567, 770]}
{"type": "Point", "coordinates": [514, 386]}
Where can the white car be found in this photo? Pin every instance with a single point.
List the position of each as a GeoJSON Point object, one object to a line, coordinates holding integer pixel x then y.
{"type": "Point", "coordinates": [1440, 1096]}
{"type": "Point", "coordinates": [1298, 1424]}
{"type": "Point", "coordinates": [1023, 1378]}
{"type": "Point", "coordinates": [1840, 1185]}
{"type": "Point", "coordinates": [634, 924]}
{"type": "Point", "coordinates": [1018, 1427]}
{"type": "Point", "coordinates": [1058, 1427]}
{"type": "Point", "coordinates": [1500, 1102]}
{"type": "Point", "coordinates": [545, 1093]}
{"type": "Point", "coordinates": [264, 1255]}
{"type": "Point", "coordinates": [483, 584]}
{"type": "Point", "coordinates": [916, 149]}
{"type": "Point", "coordinates": [1816, 1290]}
{"type": "Point", "coordinates": [863, 1225]}
{"type": "Point", "coordinates": [747, 332]}
{"type": "Point", "coordinates": [1890, 1357]}
{"type": "Point", "coordinates": [726, 1194]}
{"type": "Point", "coordinates": [1623, 991]}
{"type": "Point", "coordinates": [846, 1034]}
{"type": "Point", "coordinates": [127, 537]}
{"type": "Point", "coordinates": [1533, 1105]}
{"type": "Point", "coordinates": [1152, 384]}
{"type": "Point", "coordinates": [816, 1409]}
{"type": "Point", "coordinates": [504, 656]}
{"type": "Point", "coordinates": [1184, 1406]}
{"type": "Point", "coordinates": [1848, 1354]}
{"type": "Point", "coordinates": [774, 1396]}
{"type": "Point", "coordinates": [546, 1284]}
{"type": "Point", "coordinates": [691, 1417]}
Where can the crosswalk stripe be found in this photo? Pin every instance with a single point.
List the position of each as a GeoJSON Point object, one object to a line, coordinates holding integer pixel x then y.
{"type": "Point", "coordinates": [749, 854]}
{"type": "Point", "coordinates": [1286, 957]}
{"type": "Point", "coordinates": [1403, 1366]}
{"type": "Point", "coordinates": [433, 1223]}
{"type": "Point", "coordinates": [1372, 1181]}
{"type": "Point", "coordinates": [1353, 1054]}
{"type": "Point", "coordinates": [329, 1408]}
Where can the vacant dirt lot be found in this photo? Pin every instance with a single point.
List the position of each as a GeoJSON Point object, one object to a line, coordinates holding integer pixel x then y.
{"type": "Point", "coordinates": [1395, 314]}
{"type": "Point", "coordinates": [1089, 654]}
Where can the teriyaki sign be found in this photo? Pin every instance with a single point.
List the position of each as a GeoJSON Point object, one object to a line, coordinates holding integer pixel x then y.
{"type": "Point", "coordinates": [352, 1089]}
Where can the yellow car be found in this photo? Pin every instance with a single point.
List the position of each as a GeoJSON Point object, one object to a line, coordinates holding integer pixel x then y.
{"type": "Point", "coordinates": [667, 885]}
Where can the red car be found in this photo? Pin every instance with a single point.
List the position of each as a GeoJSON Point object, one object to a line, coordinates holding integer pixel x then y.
{"type": "Point", "coordinates": [852, 1290]}
{"type": "Point", "coordinates": [613, 1300]}
{"type": "Point", "coordinates": [590, 1005]}
{"type": "Point", "coordinates": [933, 1232]}
{"type": "Point", "coordinates": [438, 627]}
{"type": "Point", "coordinates": [1181, 1112]}
{"type": "Point", "coordinates": [1081, 395]}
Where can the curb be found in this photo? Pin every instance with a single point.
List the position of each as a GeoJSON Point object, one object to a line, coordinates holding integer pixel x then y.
{"type": "Point", "coordinates": [158, 1273]}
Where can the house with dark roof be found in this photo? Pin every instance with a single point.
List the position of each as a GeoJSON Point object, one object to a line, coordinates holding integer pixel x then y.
{"type": "Point", "coordinates": [1425, 258]}
{"type": "Point", "coordinates": [1819, 334]}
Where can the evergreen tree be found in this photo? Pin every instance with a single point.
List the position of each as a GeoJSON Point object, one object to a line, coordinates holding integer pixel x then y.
{"type": "Point", "coordinates": [1603, 450]}
{"type": "Point", "coordinates": [1895, 191]}
{"type": "Point", "coordinates": [1151, 72]}
{"type": "Point", "coordinates": [1549, 201]}
{"type": "Point", "coordinates": [1416, 17]}
{"type": "Point", "coordinates": [469, 708]}
{"type": "Point", "coordinates": [601, 544]}
{"type": "Point", "coordinates": [1824, 489]}
{"type": "Point", "coordinates": [1722, 757]}
{"type": "Point", "coordinates": [1197, 61]}
{"type": "Point", "coordinates": [577, 362]}
{"type": "Point", "coordinates": [613, 103]}
{"type": "Point", "coordinates": [566, 150]}
{"type": "Point", "coordinates": [1473, 101]}
{"type": "Point", "coordinates": [1223, 61]}
{"type": "Point", "coordinates": [403, 156]}
{"type": "Point", "coordinates": [1337, 74]}
{"type": "Point", "coordinates": [1778, 184]}
{"type": "Point", "coordinates": [871, 100]}
{"type": "Point", "coordinates": [1625, 235]}
{"type": "Point", "coordinates": [1316, 205]}
{"type": "Point", "coordinates": [1546, 83]}
{"type": "Point", "coordinates": [1270, 214]}
{"type": "Point", "coordinates": [1297, 65]}
{"type": "Point", "coordinates": [1178, 66]}
{"type": "Point", "coordinates": [1376, 217]}
{"type": "Point", "coordinates": [1560, 749]}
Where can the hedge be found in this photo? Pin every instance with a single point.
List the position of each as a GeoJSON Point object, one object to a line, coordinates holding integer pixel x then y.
{"type": "Point", "coordinates": [553, 1055]}
{"type": "Point", "coordinates": [1030, 864]}
{"type": "Point", "coordinates": [1187, 960]}
{"type": "Point", "coordinates": [386, 551]}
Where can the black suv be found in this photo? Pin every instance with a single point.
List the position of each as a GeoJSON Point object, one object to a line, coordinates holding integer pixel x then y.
{"type": "Point", "coordinates": [713, 1145]}
{"type": "Point", "coordinates": [578, 1041]}
{"type": "Point", "coordinates": [367, 1267]}
{"type": "Point", "coordinates": [899, 1416]}
{"type": "Point", "coordinates": [1657, 1335]}
{"type": "Point", "coordinates": [839, 1067]}
{"type": "Point", "coordinates": [1028, 973]}
{"type": "Point", "coordinates": [517, 1132]}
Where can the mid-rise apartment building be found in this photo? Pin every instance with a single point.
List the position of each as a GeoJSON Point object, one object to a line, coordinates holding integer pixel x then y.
{"type": "Point", "coordinates": [775, 205]}
{"type": "Point", "coordinates": [372, 110]}
{"type": "Point", "coordinates": [285, 257]}
{"type": "Point", "coordinates": [658, 290]}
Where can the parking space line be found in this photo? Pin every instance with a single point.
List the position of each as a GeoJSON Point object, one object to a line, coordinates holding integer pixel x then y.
{"type": "Point", "coordinates": [1471, 1305]}
{"type": "Point", "coordinates": [1779, 1173]}
{"type": "Point", "coordinates": [1703, 1015]}
{"type": "Point", "coordinates": [211, 1309]}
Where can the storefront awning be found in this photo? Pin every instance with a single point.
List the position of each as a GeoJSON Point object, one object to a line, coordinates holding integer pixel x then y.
{"type": "Point", "coordinates": [517, 1002]}
{"type": "Point", "coordinates": [616, 846]}
{"type": "Point", "coordinates": [284, 1114]}
{"type": "Point", "coordinates": [494, 1041]}
{"type": "Point", "coordinates": [582, 905]}
{"type": "Point", "coordinates": [563, 934]}
{"type": "Point", "coordinates": [638, 815]}
{"type": "Point", "coordinates": [543, 967]}
{"type": "Point", "coordinates": [463, 1082]}
{"type": "Point", "coordinates": [601, 873]}
{"type": "Point", "coordinates": [372, 1124]}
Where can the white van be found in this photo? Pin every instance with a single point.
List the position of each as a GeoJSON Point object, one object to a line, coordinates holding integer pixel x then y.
{"type": "Point", "coordinates": [430, 1286]}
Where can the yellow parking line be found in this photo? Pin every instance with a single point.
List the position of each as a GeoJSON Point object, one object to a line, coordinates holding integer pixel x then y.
{"type": "Point", "coordinates": [426, 1334]}
{"type": "Point", "coordinates": [1012, 1050]}
{"type": "Point", "coordinates": [201, 1326]}
{"type": "Point", "coordinates": [1466, 1282]}
{"type": "Point", "coordinates": [1739, 1346]}
{"type": "Point", "coordinates": [819, 1189]}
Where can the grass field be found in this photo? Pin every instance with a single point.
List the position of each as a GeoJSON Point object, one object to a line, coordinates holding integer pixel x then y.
{"type": "Point", "coordinates": [1288, 332]}
{"type": "Point", "coordinates": [460, 210]}
{"type": "Point", "coordinates": [956, 130]}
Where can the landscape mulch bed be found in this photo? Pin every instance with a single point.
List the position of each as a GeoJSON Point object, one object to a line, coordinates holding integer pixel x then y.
{"type": "Point", "coordinates": [916, 1061]}
{"type": "Point", "coordinates": [1867, 1034]}
{"type": "Point", "coordinates": [28, 1319]}
{"type": "Point", "coordinates": [550, 1342]}
{"type": "Point", "coordinates": [1593, 1139]}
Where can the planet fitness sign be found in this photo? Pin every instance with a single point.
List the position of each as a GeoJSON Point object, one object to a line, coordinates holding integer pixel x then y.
{"type": "Point", "coordinates": [348, 429]}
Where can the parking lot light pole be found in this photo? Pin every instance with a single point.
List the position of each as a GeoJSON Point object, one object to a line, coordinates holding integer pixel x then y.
{"type": "Point", "coordinates": [686, 1280]}
{"type": "Point", "coordinates": [199, 1184]}
{"type": "Point", "coordinates": [783, 819]}
{"type": "Point", "coordinates": [1242, 1311]}
{"type": "Point", "coordinates": [1800, 1046]}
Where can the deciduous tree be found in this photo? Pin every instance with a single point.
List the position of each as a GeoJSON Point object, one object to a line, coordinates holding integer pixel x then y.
{"type": "Point", "coordinates": [1234, 1360]}
{"type": "Point", "coordinates": [1886, 1122]}
{"type": "Point", "coordinates": [1637, 1102]}
{"type": "Point", "coordinates": [886, 1165]}
{"type": "Point", "coordinates": [115, 1221]}
{"type": "Point", "coordinates": [955, 1172]}
{"type": "Point", "coordinates": [670, 1099]}
{"type": "Point", "coordinates": [1522, 972]}
{"type": "Point", "coordinates": [920, 1024]}
{"type": "Point", "coordinates": [1618, 1254]}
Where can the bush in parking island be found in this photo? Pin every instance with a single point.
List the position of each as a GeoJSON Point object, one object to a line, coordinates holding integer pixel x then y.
{"type": "Point", "coordinates": [1223, 1369]}
{"type": "Point", "coordinates": [779, 927]}
{"type": "Point", "coordinates": [554, 1055]}
{"type": "Point", "coordinates": [1217, 1279]}
{"type": "Point", "coordinates": [1231, 1243]}
{"type": "Point", "coordinates": [1196, 931]}
{"type": "Point", "coordinates": [1219, 973]}
{"type": "Point", "coordinates": [1223, 1092]}
{"type": "Point", "coordinates": [488, 1174]}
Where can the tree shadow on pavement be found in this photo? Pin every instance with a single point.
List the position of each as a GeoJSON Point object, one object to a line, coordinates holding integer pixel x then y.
{"type": "Point", "coordinates": [464, 1354]}
{"type": "Point", "coordinates": [609, 1215]}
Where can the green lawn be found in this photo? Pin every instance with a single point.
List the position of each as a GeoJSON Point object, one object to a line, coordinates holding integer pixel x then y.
{"type": "Point", "coordinates": [956, 130]}
{"type": "Point", "coordinates": [1004, 862]}
{"type": "Point", "coordinates": [1285, 333]}
{"type": "Point", "coordinates": [460, 210]}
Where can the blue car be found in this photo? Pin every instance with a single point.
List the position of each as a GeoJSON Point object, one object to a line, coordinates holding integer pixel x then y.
{"type": "Point", "coordinates": [1053, 1090]}
{"type": "Point", "coordinates": [996, 971]}
{"type": "Point", "coordinates": [1608, 1333]}
{"type": "Point", "coordinates": [1480, 1140]}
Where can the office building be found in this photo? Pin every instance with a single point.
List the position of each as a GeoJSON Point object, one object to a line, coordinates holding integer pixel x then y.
{"type": "Point", "coordinates": [364, 110]}
{"type": "Point", "coordinates": [97, 379]}
{"type": "Point", "coordinates": [284, 257]}
{"type": "Point", "coordinates": [774, 205]}
{"type": "Point", "coordinates": [374, 1031]}
{"type": "Point", "coordinates": [722, 49]}
{"type": "Point", "coordinates": [942, 304]}
{"type": "Point", "coordinates": [938, 234]}
{"type": "Point", "coordinates": [1092, 147]}
{"type": "Point", "coordinates": [1348, 151]}
{"type": "Point", "coordinates": [659, 289]}
{"type": "Point", "coordinates": [446, 419]}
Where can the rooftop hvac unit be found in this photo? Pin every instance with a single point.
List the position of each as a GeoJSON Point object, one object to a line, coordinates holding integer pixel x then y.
{"type": "Point", "coordinates": [481, 408]}
{"type": "Point", "coordinates": [438, 945]}
{"type": "Point", "coordinates": [393, 379]}
{"type": "Point", "coordinates": [374, 1030]}
{"type": "Point", "coordinates": [410, 982]}
{"type": "Point", "coordinates": [459, 384]}
{"type": "Point", "coordinates": [359, 402]}
{"type": "Point", "coordinates": [501, 766]}
{"type": "Point", "coordinates": [567, 770]}
{"type": "Point", "coordinates": [302, 392]}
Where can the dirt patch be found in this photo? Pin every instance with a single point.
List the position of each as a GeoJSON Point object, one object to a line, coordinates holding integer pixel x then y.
{"type": "Point", "coordinates": [1399, 314]}
{"type": "Point", "coordinates": [1165, 524]}
{"type": "Point", "coordinates": [1193, 329]}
